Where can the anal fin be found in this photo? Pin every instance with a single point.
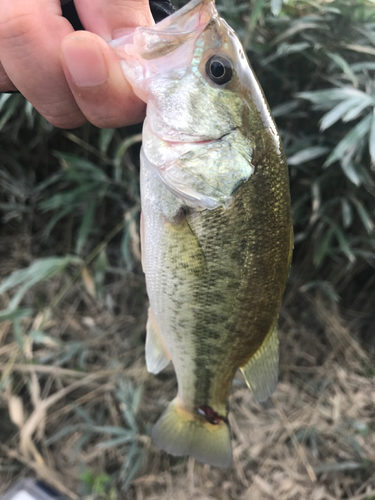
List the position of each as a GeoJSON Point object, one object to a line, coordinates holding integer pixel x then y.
{"type": "Point", "coordinates": [261, 371]}
{"type": "Point", "coordinates": [157, 356]}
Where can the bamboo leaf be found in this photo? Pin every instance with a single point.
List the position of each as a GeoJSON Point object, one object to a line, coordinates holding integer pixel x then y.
{"type": "Point", "coordinates": [285, 108]}
{"type": "Point", "coordinates": [354, 113]}
{"type": "Point", "coordinates": [372, 139]}
{"type": "Point", "coordinates": [116, 442]}
{"type": "Point", "coordinates": [336, 94]}
{"type": "Point", "coordinates": [338, 467]}
{"type": "Point", "coordinates": [351, 139]}
{"type": "Point", "coordinates": [276, 6]}
{"type": "Point", "coordinates": [350, 171]}
{"type": "Point", "coordinates": [340, 111]}
{"type": "Point", "coordinates": [347, 213]}
{"type": "Point", "coordinates": [344, 244]}
{"type": "Point", "coordinates": [322, 250]}
{"type": "Point", "coordinates": [105, 137]}
{"type": "Point", "coordinates": [86, 225]}
{"type": "Point", "coordinates": [307, 154]}
{"type": "Point", "coordinates": [10, 315]}
{"type": "Point", "coordinates": [342, 64]}
{"type": "Point", "coordinates": [364, 215]}
{"type": "Point", "coordinates": [39, 270]}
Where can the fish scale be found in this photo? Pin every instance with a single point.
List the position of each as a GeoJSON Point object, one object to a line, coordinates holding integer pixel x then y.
{"type": "Point", "coordinates": [216, 233]}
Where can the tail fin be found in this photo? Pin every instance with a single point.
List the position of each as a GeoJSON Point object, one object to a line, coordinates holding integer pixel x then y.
{"type": "Point", "coordinates": [179, 432]}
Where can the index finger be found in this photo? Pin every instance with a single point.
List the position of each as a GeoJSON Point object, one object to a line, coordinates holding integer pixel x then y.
{"type": "Point", "coordinates": [105, 17]}
{"type": "Point", "coordinates": [30, 37]}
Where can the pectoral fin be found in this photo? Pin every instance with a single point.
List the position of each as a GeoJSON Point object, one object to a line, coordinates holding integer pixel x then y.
{"type": "Point", "coordinates": [157, 356]}
{"type": "Point", "coordinates": [261, 372]}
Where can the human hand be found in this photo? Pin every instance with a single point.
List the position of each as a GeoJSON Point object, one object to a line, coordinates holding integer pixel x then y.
{"type": "Point", "coordinates": [70, 77]}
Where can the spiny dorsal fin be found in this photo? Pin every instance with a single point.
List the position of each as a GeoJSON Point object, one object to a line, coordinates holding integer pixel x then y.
{"type": "Point", "coordinates": [157, 356]}
{"type": "Point", "coordinates": [261, 372]}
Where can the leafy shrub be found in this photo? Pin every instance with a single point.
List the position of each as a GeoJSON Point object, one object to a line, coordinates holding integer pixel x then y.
{"type": "Point", "coordinates": [316, 65]}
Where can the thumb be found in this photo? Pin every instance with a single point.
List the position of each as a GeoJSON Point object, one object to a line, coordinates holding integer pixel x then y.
{"type": "Point", "coordinates": [104, 17]}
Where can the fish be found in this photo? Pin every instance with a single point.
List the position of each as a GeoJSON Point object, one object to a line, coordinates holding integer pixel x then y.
{"type": "Point", "coordinates": [216, 227]}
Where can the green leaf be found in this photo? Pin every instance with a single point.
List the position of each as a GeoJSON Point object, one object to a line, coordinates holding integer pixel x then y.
{"type": "Point", "coordinates": [363, 65]}
{"type": "Point", "coordinates": [86, 225]}
{"type": "Point", "coordinates": [40, 337]}
{"type": "Point", "coordinates": [101, 265]}
{"type": "Point", "coordinates": [55, 219]}
{"type": "Point", "coordinates": [10, 315]}
{"type": "Point", "coordinates": [276, 6]}
{"type": "Point", "coordinates": [39, 270]}
{"type": "Point", "coordinates": [14, 102]}
{"type": "Point", "coordinates": [256, 13]}
{"type": "Point", "coordinates": [105, 137]}
{"type": "Point", "coordinates": [372, 139]}
{"type": "Point", "coordinates": [18, 332]}
{"type": "Point", "coordinates": [285, 108]}
{"type": "Point", "coordinates": [344, 244]}
{"type": "Point", "coordinates": [350, 171]}
{"type": "Point", "coordinates": [350, 140]}
{"type": "Point", "coordinates": [326, 287]}
{"type": "Point", "coordinates": [286, 49]}
{"type": "Point", "coordinates": [307, 154]}
{"type": "Point", "coordinates": [111, 429]}
{"type": "Point", "coordinates": [354, 113]}
{"type": "Point", "coordinates": [124, 146]}
{"type": "Point", "coordinates": [336, 94]}
{"type": "Point", "coordinates": [131, 465]}
{"type": "Point", "coordinates": [323, 249]}
{"type": "Point", "coordinates": [82, 164]}
{"type": "Point", "coordinates": [338, 467]}
{"type": "Point", "coordinates": [341, 110]}
{"type": "Point", "coordinates": [347, 213]}
{"type": "Point", "coordinates": [344, 66]}
{"type": "Point", "coordinates": [116, 442]}
{"type": "Point", "coordinates": [364, 215]}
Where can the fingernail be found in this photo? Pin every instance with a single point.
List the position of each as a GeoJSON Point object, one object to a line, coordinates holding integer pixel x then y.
{"type": "Point", "coordinates": [85, 61]}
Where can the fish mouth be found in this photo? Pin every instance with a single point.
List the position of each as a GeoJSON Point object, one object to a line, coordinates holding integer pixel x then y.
{"type": "Point", "coordinates": [171, 33]}
{"type": "Point", "coordinates": [195, 15]}
{"type": "Point", "coordinates": [194, 140]}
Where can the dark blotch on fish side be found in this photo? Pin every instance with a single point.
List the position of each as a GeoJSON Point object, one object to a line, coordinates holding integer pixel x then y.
{"type": "Point", "coordinates": [210, 415]}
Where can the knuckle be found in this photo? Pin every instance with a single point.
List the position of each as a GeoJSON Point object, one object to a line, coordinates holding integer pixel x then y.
{"type": "Point", "coordinates": [65, 121]}
{"type": "Point", "coordinates": [105, 120]}
{"type": "Point", "coordinates": [61, 112]}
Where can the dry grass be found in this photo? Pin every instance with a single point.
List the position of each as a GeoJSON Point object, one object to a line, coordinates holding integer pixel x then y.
{"type": "Point", "coordinates": [315, 438]}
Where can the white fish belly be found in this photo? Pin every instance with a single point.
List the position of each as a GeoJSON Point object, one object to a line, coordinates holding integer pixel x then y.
{"type": "Point", "coordinates": [170, 299]}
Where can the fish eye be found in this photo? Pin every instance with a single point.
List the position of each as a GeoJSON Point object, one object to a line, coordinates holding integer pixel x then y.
{"type": "Point", "coordinates": [219, 69]}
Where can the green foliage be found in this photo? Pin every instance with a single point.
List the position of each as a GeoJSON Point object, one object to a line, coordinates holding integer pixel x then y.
{"type": "Point", "coordinates": [97, 485]}
{"type": "Point", "coordinates": [125, 439]}
{"type": "Point", "coordinates": [75, 195]}
{"type": "Point", "coordinates": [316, 65]}
{"type": "Point", "coordinates": [84, 187]}
{"type": "Point", "coordinates": [315, 62]}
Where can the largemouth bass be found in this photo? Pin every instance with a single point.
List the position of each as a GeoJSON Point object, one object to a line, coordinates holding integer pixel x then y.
{"type": "Point", "coordinates": [216, 223]}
